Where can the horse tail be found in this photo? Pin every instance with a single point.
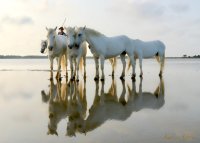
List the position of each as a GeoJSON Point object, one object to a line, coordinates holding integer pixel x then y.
{"type": "Point", "coordinates": [113, 62]}
{"type": "Point", "coordinates": [157, 58]}
{"type": "Point", "coordinates": [162, 59]}
{"type": "Point", "coordinates": [63, 62]}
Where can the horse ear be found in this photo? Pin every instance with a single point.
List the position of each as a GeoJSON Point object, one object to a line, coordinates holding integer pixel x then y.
{"type": "Point", "coordinates": [47, 29]}
{"type": "Point", "coordinates": [55, 28]}
{"type": "Point", "coordinates": [75, 28]}
{"type": "Point", "coordinates": [84, 27]}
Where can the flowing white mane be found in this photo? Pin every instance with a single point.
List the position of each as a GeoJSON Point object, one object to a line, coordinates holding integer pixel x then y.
{"type": "Point", "coordinates": [70, 29]}
{"type": "Point", "coordinates": [93, 32]}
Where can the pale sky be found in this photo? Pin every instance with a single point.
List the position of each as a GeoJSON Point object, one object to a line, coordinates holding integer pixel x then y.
{"type": "Point", "coordinates": [175, 22]}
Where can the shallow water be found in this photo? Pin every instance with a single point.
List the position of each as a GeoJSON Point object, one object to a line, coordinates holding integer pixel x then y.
{"type": "Point", "coordinates": [149, 110]}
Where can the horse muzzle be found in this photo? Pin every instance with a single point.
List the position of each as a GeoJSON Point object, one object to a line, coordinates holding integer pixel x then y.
{"type": "Point", "coordinates": [50, 48]}
{"type": "Point", "coordinates": [42, 51]}
{"type": "Point", "coordinates": [76, 46]}
{"type": "Point", "coordinates": [70, 46]}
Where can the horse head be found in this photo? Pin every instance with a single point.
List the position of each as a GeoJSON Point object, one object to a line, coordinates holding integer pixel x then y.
{"type": "Point", "coordinates": [71, 34]}
{"type": "Point", "coordinates": [43, 45]}
{"type": "Point", "coordinates": [51, 34]}
{"type": "Point", "coordinates": [80, 36]}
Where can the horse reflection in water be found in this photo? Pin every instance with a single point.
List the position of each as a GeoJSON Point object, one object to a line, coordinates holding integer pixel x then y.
{"type": "Point", "coordinates": [77, 110]}
{"type": "Point", "coordinates": [107, 106]}
{"type": "Point", "coordinates": [64, 101]}
{"type": "Point", "coordinates": [69, 101]}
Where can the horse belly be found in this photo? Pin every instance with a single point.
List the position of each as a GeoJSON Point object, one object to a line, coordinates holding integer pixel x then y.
{"type": "Point", "coordinates": [149, 53]}
{"type": "Point", "coordinates": [114, 49]}
{"type": "Point", "coordinates": [149, 49]}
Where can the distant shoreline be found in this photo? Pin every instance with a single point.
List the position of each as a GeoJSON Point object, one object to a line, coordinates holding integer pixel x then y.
{"type": "Point", "coordinates": [89, 57]}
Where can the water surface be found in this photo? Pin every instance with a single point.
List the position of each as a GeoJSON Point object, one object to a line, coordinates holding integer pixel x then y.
{"type": "Point", "coordinates": [152, 110]}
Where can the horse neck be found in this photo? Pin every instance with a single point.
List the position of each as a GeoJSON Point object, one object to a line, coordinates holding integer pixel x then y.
{"type": "Point", "coordinates": [90, 34]}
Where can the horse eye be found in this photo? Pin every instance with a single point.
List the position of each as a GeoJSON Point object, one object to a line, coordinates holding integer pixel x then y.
{"type": "Point", "coordinates": [79, 35]}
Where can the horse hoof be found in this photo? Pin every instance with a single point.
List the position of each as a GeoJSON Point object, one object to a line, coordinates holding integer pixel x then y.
{"type": "Point", "coordinates": [160, 75]}
{"type": "Point", "coordinates": [72, 79]}
{"type": "Point", "coordinates": [133, 78]}
{"type": "Point", "coordinates": [121, 77]}
{"type": "Point", "coordinates": [96, 78]}
{"type": "Point", "coordinates": [77, 80]}
{"type": "Point", "coordinates": [102, 79]}
{"type": "Point", "coordinates": [84, 77]}
{"type": "Point", "coordinates": [60, 78]}
{"type": "Point", "coordinates": [51, 79]}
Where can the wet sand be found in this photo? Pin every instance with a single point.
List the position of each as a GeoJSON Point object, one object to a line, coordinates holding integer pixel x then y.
{"type": "Point", "coordinates": [151, 110]}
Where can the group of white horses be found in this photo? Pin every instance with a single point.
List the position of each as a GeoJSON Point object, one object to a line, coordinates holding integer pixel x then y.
{"type": "Point", "coordinates": [74, 47]}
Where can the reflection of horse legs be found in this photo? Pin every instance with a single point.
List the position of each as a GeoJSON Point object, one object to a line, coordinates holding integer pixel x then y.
{"type": "Point", "coordinates": [96, 97]}
{"type": "Point", "coordinates": [132, 93]}
{"type": "Point", "coordinates": [122, 56]}
{"type": "Point", "coordinates": [160, 90]}
{"type": "Point", "coordinates": [122, 97]}
{"type": "Point", "coordinates": [51, 75]}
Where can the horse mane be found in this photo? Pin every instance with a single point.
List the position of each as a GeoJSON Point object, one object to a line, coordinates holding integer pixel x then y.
{"type": "Point", "coordinates": [69, 29]}
{"type": "Point", "coordinates": [93, 32]}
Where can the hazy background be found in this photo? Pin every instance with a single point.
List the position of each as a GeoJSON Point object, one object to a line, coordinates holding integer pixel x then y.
{"type": "Point", "coordinates": [176, 22]}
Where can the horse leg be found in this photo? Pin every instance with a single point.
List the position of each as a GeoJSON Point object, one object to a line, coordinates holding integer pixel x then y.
{"type": "Point", "coordinates": [71, 67]}
{"type": "Point", "coordinates": [97, 68]}
{"type": "Point", "coordinates": [77, 68]}
{"type": "Point", "coordinates": [84, 64]}
{"type": "Point", "coordinates": [59, 67]}
{"type": "Point", "coordinates": [102, 59]}
{"type": "Point", "coordinates": [122, 56]}
{"type": "Point", "coordinates": [141, 72]}
{"type": "Point", "coordinates": [51, 67]}
{"type": "Point", "coordinates": [132, 59]}
{"type": "Point", "coordinates": [66, 57]}
{"type": "Point", "coordinates": [122, 97]}
{"type": "Point", "coordinates": [112, 63]}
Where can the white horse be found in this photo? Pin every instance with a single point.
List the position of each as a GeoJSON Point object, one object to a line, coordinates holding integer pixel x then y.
{"type": "Point", "coordinates": [147, 50]}
{"type": "Point", "coordinates": [57, 47]}
{"type": "Point", "coordinates": [76, 55]}
{"type": "Point", "coordinates": [104, 47]}
{"type": "Point", "coordinates": [75, 50]}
